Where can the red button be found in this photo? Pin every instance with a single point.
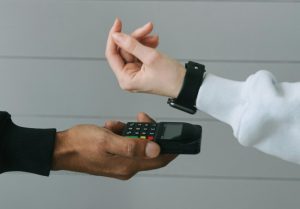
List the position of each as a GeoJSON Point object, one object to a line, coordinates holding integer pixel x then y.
{"type": "Point", "coordinates": [150, 137]}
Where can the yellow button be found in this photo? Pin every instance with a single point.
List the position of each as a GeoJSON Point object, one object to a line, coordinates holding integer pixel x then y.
{"type": "Point", "coordinates": [143, 137]}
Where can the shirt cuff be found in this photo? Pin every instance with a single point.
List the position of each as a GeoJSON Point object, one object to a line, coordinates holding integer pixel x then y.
{"type": "Point", "coordinates": [25, 149]}
{"type": "Point", "coordinates": [222, 98]}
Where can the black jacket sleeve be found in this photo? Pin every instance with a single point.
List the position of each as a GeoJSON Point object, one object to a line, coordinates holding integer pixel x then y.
{"type": "Point", "coordinates": [25, 149]}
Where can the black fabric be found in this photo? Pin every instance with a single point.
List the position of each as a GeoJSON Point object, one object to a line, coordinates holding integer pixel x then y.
{"type": "Point", "coordinates": [25, 149]}
{"type": "Point", "coordinates": [192, 82]}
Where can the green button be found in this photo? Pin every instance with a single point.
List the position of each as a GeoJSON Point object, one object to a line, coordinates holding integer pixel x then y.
{"type": "Point", "coordinates": [132, 136]}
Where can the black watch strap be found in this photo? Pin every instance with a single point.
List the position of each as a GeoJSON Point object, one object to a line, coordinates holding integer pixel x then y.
{"type": "Point", "coordinates": [193, 79]}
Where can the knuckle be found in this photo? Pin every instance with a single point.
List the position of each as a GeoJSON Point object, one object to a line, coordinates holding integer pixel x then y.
{"type": "Point", "coordinates": [102, 144]}
{"type": "Point", "coordinates": [125, 178]}
{"type": "Point", "coordinates": [131, 147]}
{"type": "Point", "coordinates": [122, 178]}
{"type": "Point", "coordinates": [160, 165]}
{"type": "Point", "coordinates": [153, 57]}
{"type": "Point", "coordinates": [126, 171]}
{"type": "Point", "coordinates": [106, 132]}
{"type": "Point", "coordinates": [131, 44]}
{"type": "Point", "coordinates": [99, 147]}
{"type": "Point", "coordinates": [163, 164]}
{"type": "Point", "coordinates": [125, 85]}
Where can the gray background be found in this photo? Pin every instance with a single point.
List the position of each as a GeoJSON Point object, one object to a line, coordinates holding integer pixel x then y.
{"type": "Point", "coordinates": [54, 74]}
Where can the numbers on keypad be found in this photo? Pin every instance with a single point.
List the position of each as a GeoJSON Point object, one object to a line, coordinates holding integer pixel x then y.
{"type": "Point", "coordinates": [141, 130]}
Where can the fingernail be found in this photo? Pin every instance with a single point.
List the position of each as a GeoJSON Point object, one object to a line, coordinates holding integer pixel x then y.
{"type": "Point", "coordinates": [152, 150]}
{"type": "Point", "coordinates": [118, 37]}
{"type": "Point", "coordinates": [113, 123]}
{"type": "Point", "coordinates": [148, 23]}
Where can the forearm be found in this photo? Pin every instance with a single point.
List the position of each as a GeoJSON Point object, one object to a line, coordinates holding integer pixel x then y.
{"type": "Point", "coordinates": [221, 98]}
{"type": "Point", "coordinates": [262, 112]}
{"type": "Point", "coordinates": [25, 149]}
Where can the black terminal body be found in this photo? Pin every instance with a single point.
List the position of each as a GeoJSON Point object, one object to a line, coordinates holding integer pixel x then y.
{"type": "Point", "coordinates": [173, 137]}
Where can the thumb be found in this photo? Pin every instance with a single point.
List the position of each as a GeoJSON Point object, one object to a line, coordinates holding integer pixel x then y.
{"type": "Point", "coordinates": [146, 54]}
{"type": "Point", "coordinates": [127, 147]}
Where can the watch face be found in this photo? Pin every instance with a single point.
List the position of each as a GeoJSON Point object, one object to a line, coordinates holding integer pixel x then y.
{"type": "Point", "coordinates": [171, 131]}
{"type": "Point", "coordinates": [190, 110]}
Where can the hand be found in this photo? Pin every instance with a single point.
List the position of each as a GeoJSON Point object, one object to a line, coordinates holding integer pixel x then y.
{"type": "Point", "coordinates": [100, 151]}
{"type": "Point", "coordinates": [150, 71]}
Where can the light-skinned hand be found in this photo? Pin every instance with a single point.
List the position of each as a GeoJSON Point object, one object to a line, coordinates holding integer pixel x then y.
{"type": "Point", "coordinates": [139, 67]}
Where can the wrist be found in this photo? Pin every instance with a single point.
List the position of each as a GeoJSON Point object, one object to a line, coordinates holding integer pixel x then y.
{"type": "Point", "coordinates": [61, 151]}
{"type": "Point", "coordinates": [186, 98]}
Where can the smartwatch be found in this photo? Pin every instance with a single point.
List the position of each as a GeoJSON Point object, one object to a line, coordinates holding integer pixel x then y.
{"type": "Point", "coordinates": [186, 100]}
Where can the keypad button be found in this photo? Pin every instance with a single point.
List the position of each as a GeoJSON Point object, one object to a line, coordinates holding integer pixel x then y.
{"type": "Point", "coordinates": [131, 124]}
{"type": "Point", "coordinates": [143, 137]}
{"type": "Point", "coordinates": [136, 133]}
{"type": "Point", "coordinates": [137, 128]}
{"type": "Point", "coordinates": [151, 133]}
{"type": "Point", "coordinates": [145, 129]}
{"type": "Point", "coordinates": [133, 137]}
{"type": "Point", "coordinates": [150, 138]}
{"type": "Point", "coordinates": [128, 132]}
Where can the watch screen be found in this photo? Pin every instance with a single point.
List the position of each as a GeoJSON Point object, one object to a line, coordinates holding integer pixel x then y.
{"type": "Point", "coordinates": [172, 131]}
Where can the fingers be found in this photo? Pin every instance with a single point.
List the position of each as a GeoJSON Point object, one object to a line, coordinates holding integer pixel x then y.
{"type": "Point", "coordinates": [115, 60]}
{"type": "Point", "coordinates": [150, 41]}
{"type": "Point", "coordinates": [124, 168]}
{"type": "Point", "coordinates": [143, 117]}
{"type": "Point", "coordinates": [146, 54]}
{"type": "Point", "coordinates": [115, 126]}
{"type": "Point", "coordinates": [128, 147]}
{"type": "Point", "coordinates": [150, 164]}
{"type": "Point", "coordinates": [142, 31]}
{"type": "Point", "coordinates": [142, 35]}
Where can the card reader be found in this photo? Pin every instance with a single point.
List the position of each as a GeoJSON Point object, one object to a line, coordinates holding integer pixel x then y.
{"type": "Point", "coordinates": [173, 137]}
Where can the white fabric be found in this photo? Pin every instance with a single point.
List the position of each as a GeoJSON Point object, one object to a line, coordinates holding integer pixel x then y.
{"type": "Point", "coordinates": [262, 112]}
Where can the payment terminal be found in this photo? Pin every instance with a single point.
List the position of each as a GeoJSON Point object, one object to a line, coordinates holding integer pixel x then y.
{"type": "Point", "coordinates": [173, 137]}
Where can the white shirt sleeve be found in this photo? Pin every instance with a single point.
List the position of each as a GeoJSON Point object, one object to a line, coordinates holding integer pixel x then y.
{"type": "Point", "coordinates": [262, 112]}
